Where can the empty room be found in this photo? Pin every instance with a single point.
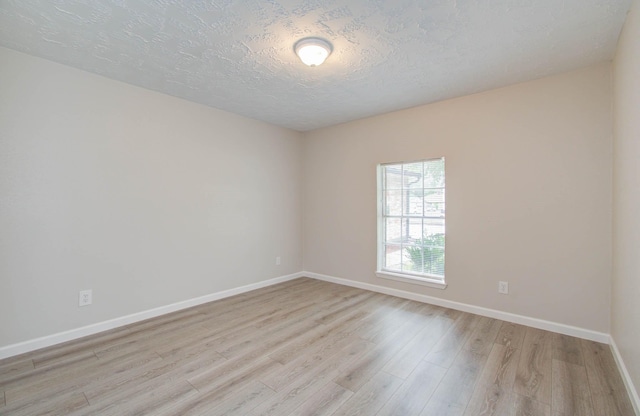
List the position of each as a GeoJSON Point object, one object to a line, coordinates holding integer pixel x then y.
{"type": "Point", "coordinates": [296, 207]}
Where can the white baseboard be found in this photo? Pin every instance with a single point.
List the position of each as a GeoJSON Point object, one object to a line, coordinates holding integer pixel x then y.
{"type": "Point", "coordinates": [626, 377]}
{"type": "Point", "coordinates": [478, 310]}
{"type": "Point", "coordinates": [49, 340]}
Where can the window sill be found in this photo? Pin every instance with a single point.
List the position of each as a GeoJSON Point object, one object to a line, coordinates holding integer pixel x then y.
{"type": "Point", "coordinates": [424, 281]}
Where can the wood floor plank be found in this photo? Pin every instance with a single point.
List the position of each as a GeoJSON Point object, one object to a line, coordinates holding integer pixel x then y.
{"type": "Point", "coordinates": [65, 359]}
{"type": "Point", "coordinates": [533, 377]}
{"type": "Point", "coordinates": [258, 310]}
{"type": "Point", "coordinates": [150, 339]}
{"type": "Point", "coordinates": [383, 310]}
{"type": "Point", "coordinates": [511, 335]}
{"type": "Point", "coordinates": [209, 338]}
{"type": "Point", "coordinates": [82, 377]}
{"type": "Point", "coordinates": [410, 356]}
{"type": "Point", "coordinates": [125, 381]}
{"type": "Point", "coordinates": [9, 377]}
{"type": "Point", "coordinates": [253, 302]}
{"type": "Point", "coordinates": [161, 399]}
{"type": "Point", "coordinates": [243, 317]}
{"type": "Point", "coordinates": [451, 313]}
{"type": "Point", "coordinates": [119, 386]}
{"type": "Point", "coordinates": [608, 391]}
{"type": "Point", "coordinates": [239, 403]}
{"type": "Point", "coordinates": [205, 341]}
{"type": "Point", "coordinates": [567, 349]}
{"type": "Point", "coordinates": [322, 335]}
{"type": "Point", "coordinates": [445, 351]}
{"type": "Point", "coordinates": [526, 406]}
{"type": "Point", "coordinates": [168, 321]}
{"type": "Point", "coordinates": [76, 348]}
{"type": "Point", "coordinates": [338, 356]}
{"type": "Point", "coordinates": [346, 304]}
{"type": "Point", "coordinates": [171, 388]}
{"type": "Point", "coordinates": [413, 315]}
{"type": "Point", "coordinates": [19, 385]}
{"type": "Point", "coordinates": [288, 400]}
{"type": "Point", "coordinates": [457, 386]}
{"type": "Point", "coordinates": [221, 380]}
{"type": "Point", "coordinates": [13, 368]}
{"type": "Point", "coordinates": [278, 335]}
{"type": "Point", "coordinates": [492, 392]}
{"type": "Point", "coordinates": [294, 391]}
{"type": "Point", "coordinates": [307, 347]}
{"type": "Point", "coordinates": [570, 393]}
{"type": "Point", "coordinates": [483, 336]}
{"type": "Point", "coordinates": [412, 396]}
{"type": "Point", "coordinates": [57, 405]}
{"type": "Point", "coordinates": [278, 293]}
{"type": "Point", "coordinates": [454, 391]}
{"type": "Point", "coordinates": [371, 397]}
{"type": "Point", "coordinates": [234, 335]}
{"type": "Point", "coordinates": [361, 370]}
{"type": "Point", "coordinates": [324, 402]}
{"type": "Point", "coordinates": [408, 312]}
{"type": "Point", "coordinates": [366, 366]}
{"type": "Point", "coordinates": [214, 390]}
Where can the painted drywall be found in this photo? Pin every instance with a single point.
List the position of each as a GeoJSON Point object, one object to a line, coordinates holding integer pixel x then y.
{"type": "Point", "coordinates": [529, 188]}
{"type": "Point", "coordinates": [625, 322]}
{"type": "Point", "coordinates": [144, 198]}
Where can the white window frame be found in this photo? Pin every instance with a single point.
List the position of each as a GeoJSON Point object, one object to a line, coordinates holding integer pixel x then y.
{"type": "Point", "coordinates": [403, 276]}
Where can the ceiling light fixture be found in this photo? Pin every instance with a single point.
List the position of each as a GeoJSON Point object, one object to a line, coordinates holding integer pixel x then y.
{"type": "Point", "coordinates": [313, 51]}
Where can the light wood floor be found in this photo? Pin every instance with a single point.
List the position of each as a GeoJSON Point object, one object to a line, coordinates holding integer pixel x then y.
{"type": "Point", "coordinates": [307, 347]}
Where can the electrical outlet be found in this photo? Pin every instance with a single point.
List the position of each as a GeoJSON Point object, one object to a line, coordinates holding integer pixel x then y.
{"type": "Point", "coordinates": [278, 261]}
{"type": "Point", "coordinates": [503, 287]}
{"type": "Point", "coordinates": [85, 298]}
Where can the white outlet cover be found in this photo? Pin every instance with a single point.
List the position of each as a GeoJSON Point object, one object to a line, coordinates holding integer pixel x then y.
{"type": "Point", "coordinates": [85, 297]}
{"type": "Point", "coordinates": [503, 287]}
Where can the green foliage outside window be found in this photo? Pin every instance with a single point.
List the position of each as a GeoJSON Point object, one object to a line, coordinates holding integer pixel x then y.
{"type": "Point", "coordinates": [427, 255]}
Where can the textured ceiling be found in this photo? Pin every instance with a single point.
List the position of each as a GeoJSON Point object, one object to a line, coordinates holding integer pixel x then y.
{"type": "Point", "coordinates": [388, 54]}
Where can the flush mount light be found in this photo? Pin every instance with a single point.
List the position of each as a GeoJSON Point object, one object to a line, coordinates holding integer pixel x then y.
{"type": "Point", "coordinates": [313, 51]}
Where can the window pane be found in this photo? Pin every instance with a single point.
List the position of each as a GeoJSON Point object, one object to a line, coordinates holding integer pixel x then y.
{"type": "Point", "coordinates": [393, 230]}
{"type": "Point", "coordinates": [434, 261]}
{"type": "Point", "coordinates": [432, 226]}
{"type": "Point", "coordinates": [434, 210]}
{"type": "Point", "coordinates": [427, 255]}
{"type": "Point", "coordinates": [404, 229]}
{"type": "Point", "coordinates": [434, 195]}
{"type": "Point", "coordinates": [393, 257]}
{"type": "Point", "coordinates": [393, 203]}
{"type": "Point", "coordinates": [434, 203]}
{"type": "Point", "coordinates": [392, 177]}
{"type": "Point", "coordinates": [414, 230]}
{"type": "Point", "coordinates": [413, 202]}
{"type": "Point", "coordinates": [414, 254]}
{"type": "Point", "coordinates": [434, 173]}
{"type": "Point", "coordinates": [413, 175]}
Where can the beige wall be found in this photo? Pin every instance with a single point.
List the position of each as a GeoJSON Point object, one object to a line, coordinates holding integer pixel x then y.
{"type": "Point", "coordinates": [625, 322]}
{"type": "Point", "coordinates": [529, 172]}
{"type": "Point", "coordinates": [142, 197]}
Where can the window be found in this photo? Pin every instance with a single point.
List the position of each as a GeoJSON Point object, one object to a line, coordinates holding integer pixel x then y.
{"type": "Point", "coordinates": [411, 221]}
